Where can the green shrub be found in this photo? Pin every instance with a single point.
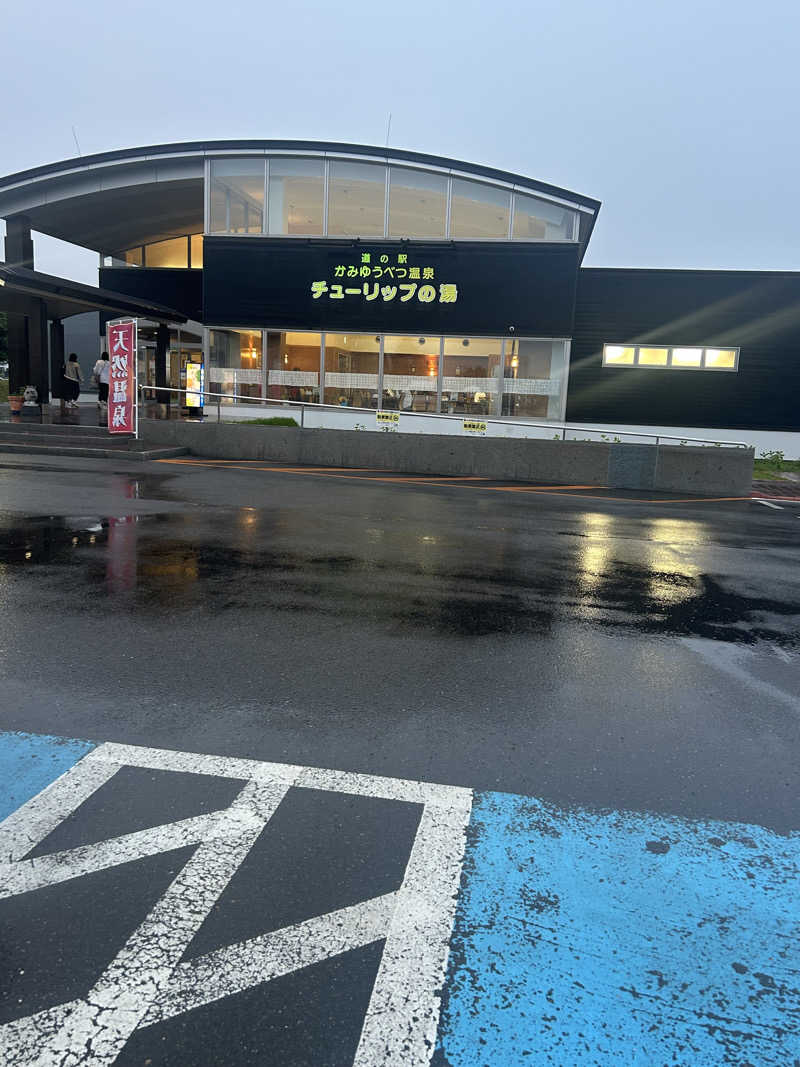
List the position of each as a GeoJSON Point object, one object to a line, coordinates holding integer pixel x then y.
{"type": "Point", "coordinates": [277, 420]}
{"type": "Point", "coordinates": [3, 390]}
{"type": "Point", "coordinates": [772, 465]}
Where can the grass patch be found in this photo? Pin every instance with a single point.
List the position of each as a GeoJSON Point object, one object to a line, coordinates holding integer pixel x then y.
{"type": "Point", "coordinates": [772, 465]}
{"type": "Point", "coordinates": [277, 420]}
{"type": "Point", "coordinates": [3, 390]}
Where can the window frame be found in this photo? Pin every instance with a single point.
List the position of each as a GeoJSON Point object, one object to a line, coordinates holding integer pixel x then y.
{"type": "Point", "coordinates": [669, 365]}
{"type": "Point", "coordinates": [512, 190]}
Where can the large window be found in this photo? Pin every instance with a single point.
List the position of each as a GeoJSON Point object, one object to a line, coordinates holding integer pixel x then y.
{"type": "Point", "coordinates": [296, 196]}
{"type": "Point", "coordinates": [410, 373]}
{"type": "Point", "coordinates": [422, 203]}
{"type": "Point", "coordinates": [351, 369]}
{"type": "Point", "coordinates": [237, 195]}
{"type": "Point", "coordinates": [293, 361]}
{"type": "Point", "coordinates": [476, 376]}
{"type": "Point", "coordinates": [417, 203]}
{"type": "Point", "coordinates": [196, 247]}
{"type": "Point", "coordinates": [479, 210]}
{"type": "Point", "coordinates": [534, 376]}
{"type": "Point", "coordinates": [235, 363]}
{"type": "Point", "coordinates": [171, 253]}
{"type": "Point", "coordinates": [671, 357]}
{"type": "Point", "coordinates": [472, 368]}
{"type": "Point", "coordinates": [356, 199]}
{"type": "Point", "coordinates": [538, 220]}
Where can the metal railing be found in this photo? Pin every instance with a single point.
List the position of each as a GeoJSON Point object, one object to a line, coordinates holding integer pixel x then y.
{"type": "Point", "coordinates": [561, 428]}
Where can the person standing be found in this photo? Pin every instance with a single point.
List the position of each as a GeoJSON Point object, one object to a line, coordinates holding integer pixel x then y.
{"type": "Point", "coordinates": [100, 374]}
{"type": "Point", "coordinates": [74, 377]}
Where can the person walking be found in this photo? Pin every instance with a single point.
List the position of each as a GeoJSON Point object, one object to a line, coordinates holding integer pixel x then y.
{"type": "Point", "coordinates": [100, 375]}
{"type": "Point", "coordinates": [74, 378]}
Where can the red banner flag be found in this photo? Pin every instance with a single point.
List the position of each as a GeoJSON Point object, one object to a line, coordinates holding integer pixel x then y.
{"type": "Point", "coordinates": [121, 338]}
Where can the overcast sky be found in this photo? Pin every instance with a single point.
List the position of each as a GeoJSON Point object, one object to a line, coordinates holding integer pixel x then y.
{"type": "Point", "coordinates": [681, 116]}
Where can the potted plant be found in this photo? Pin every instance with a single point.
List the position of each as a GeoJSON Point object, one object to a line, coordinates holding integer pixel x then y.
{"type": "Point", "coordinates": [15, 401]}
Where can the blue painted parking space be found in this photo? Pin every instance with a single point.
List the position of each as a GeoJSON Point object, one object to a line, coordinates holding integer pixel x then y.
{"type": "Point", "coordinates": [579, 936]}
{"type": "Point", "coordinates": [603, 938]}
{"type": "Point", "coordinates": [29, 762]}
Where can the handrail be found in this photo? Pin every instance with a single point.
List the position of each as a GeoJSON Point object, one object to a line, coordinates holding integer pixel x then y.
{"type": "Point", "coordinates": [562, 426]}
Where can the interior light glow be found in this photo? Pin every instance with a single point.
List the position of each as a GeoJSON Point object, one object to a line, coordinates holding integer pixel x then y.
{"type": "Point", "coordinates": [687, 357]}
{"type": "Point", "coordinates": [720, 357]}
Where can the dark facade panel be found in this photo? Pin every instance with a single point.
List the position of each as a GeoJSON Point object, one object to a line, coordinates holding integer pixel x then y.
{"type": "Point", "coordinates": [502, 288]}
{"type": "Point", "coordinates": [173, 288]}
{"type": "Point", "coordinates": [758, 312]}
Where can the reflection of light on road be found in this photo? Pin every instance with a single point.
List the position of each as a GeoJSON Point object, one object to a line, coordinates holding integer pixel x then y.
{"type": "Point", "coordinates": [121, 561]}
{"type": "Point", "coordinates": [596, 550]}
{"type": "Point", "coordinates": [672, 555]}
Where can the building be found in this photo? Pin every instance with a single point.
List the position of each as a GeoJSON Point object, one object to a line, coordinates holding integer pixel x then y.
{"type": "Point", "coordinates": [375, 278]}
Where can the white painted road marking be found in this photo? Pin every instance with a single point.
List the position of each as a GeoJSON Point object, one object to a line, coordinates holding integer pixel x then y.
{"type": "Point", "coordinates": [766, 503]}
{"type": "Point", "coordinates": [146, 982]}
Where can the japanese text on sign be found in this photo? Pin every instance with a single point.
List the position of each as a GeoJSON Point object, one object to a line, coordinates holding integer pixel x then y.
{"type": "Point", "coordinates": [121, 340]}
{"type": "Point", "coordinates": [472, 426]}
{"type": "Point", "coordinates": [387, 420]}
{"type": "Point", "coordinates": [377, 277]}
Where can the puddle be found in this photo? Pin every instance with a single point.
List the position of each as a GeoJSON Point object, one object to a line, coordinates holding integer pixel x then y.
{"type": "Point", "coordinates": [238, 561]}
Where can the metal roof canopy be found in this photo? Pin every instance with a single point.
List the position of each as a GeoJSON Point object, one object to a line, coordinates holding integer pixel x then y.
{"type": "Point", "coordinates": [63, 298]}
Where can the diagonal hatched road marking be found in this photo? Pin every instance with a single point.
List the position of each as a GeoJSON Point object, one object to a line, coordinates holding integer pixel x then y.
{"type": "Point", "coordinates": [147, 983]}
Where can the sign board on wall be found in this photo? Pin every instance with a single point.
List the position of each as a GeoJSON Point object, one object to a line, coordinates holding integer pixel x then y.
{"type": "Point", "coordinates": [473, 426]}
{"type": "Point", "coordinates": [489, 288]}
{"type": "Point", "coordinates": [122, 406]}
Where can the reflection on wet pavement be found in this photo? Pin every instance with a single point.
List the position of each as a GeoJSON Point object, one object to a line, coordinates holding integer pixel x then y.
{"type": "Point", "coordinates": [245, 559]}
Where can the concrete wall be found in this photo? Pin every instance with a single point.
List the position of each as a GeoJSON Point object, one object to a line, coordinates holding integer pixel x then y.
{"type": "Point", "coordinates": [677, 469]}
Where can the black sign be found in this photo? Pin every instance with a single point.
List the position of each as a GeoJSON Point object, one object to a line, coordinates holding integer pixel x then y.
{"type": "Point", "coordinates": [480, 288]}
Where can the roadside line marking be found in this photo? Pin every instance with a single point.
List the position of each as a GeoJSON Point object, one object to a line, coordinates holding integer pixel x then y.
{"type": "Point", "coordinates": [456, 482]}
{"type": "Point", "coordinates": [59, 867]}
{"type": "Point", "coordinates": [236, 968]}
{"type": "Point", "coordinates": [30, 824]}
{"type": "Point", "coordinates": [403, 1014]}
{"type": "Point", "coordinates": [147, 982]}
{"type": "Point", "coordinates": [766, 503]}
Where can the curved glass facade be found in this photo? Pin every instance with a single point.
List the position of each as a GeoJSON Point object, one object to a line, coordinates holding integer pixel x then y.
{"type": "Point", "coordinates": [319, 197]}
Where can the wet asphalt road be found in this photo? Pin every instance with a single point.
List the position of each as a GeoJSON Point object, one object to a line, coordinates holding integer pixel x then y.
{"type": "Point", "coordinates": [599, 653]}
{"type": "Point", "coordinates": [611, 653]}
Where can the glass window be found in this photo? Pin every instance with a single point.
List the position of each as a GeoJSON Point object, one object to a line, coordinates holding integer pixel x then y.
{"type": "Point", "coordinates": [237, 195]}
{"type": "Point", "coordinates": [653, 357]}
{"type": "Point", "coordinates": [235, 363]}
{"type": "Point", "coordinates": [472, 368]}
{"type": "Point", "coordinates": [351, 369]}
{"type": "Point", "coordinates": [687, 357]}
{"type": "Point", "coordinates": [721, 358]}
{"type": "Point", "coordinates": [296, 195]}
{"type": "Point", "coordinates": [171, 253]}
{"type": "Point", "coordinates": [293, 366]}
{"type": "Point", "coordinates": [410, 373]}
{"type": "Point", "coordinates": [356, 199]}
{"type": "Point", "coordinates": [130, 257]}
{"type": "Point", "coordinates": [535, 371]}
{"type": "Point", "coordinates": [479, 210]}
{"type": "Point", "coordinates": [614, 354]}
{"type": "Point", "coordinates": [417, 203]}
{"type": "Point", "coordinates": [539, 220]}
{"type": "Point", "coordinates": [672, 358]}
{"type": "Point", "coordinates": [196, 242]}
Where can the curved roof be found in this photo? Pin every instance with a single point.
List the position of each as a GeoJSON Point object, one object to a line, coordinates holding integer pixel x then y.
{"type": "Point", "coordinates": [97, 200]}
